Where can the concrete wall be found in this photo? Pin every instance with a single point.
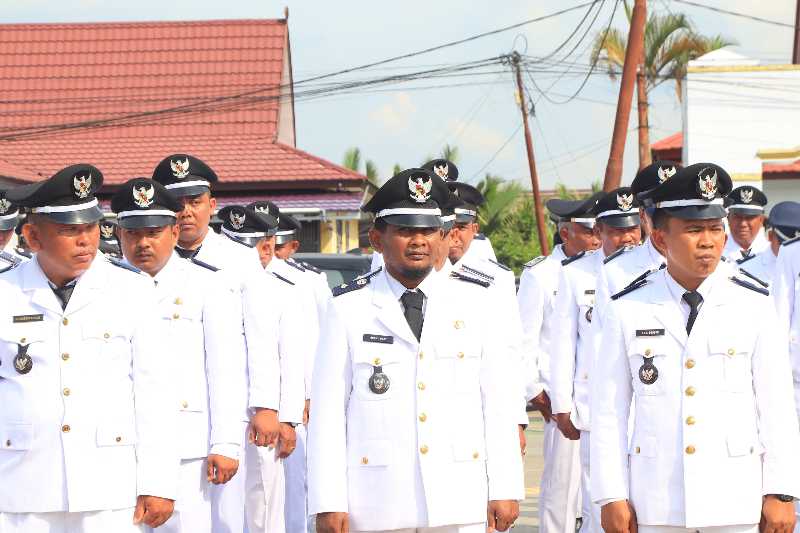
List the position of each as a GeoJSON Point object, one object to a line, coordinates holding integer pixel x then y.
{"type": "Point", "coordinates": [338, 236]}
{"type": "Point", "coordinates": [782, 190]}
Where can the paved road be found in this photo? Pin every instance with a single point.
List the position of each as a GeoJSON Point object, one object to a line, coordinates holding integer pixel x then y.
{"type": "Point", "coordinates": [528, 521]}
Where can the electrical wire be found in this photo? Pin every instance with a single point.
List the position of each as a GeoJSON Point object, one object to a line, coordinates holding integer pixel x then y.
{"type": "Point", "coordinates": [735, 13]}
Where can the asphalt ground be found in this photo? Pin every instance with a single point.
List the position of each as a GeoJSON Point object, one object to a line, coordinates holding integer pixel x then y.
{"type": "Point", "coordinates": [528, 521]}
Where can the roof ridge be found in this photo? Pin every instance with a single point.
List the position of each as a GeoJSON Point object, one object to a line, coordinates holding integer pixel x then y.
{"type": "Point", "coordinates": [321, 161]}
{"type": "Point", "coordinates": [141, 23]}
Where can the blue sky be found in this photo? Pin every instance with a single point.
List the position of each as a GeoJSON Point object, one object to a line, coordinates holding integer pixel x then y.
{"type": "Point", "coordinates": [403, 123]}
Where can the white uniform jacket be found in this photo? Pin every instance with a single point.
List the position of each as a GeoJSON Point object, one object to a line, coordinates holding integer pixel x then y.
{"type": "Point", "coordinates": [574, 348]}
{"type": "Point", "coordinates": [716, 430]}
{"type": "Point", "coordinates": [538, 286]}
{"type": "Point", "coordinates": [242, 266]}
{"type": "Point", "coordinates": [200, 320]}
{"type": "Point", "coordinates": [733, 251]}
{"type": "Point", "coordinates": [442, 440]}
{"type": "Point", "coordinates": [761, 265]}
{"type": "Point", "coordinates": [92, 424]}
{"type": "Point", "coordinates": [482, 247]}
{"type": "Point", "coordinates": [786, 291]}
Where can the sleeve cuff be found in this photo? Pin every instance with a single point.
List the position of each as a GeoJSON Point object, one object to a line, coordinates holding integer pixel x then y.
{"type": "Point", "coordinates": [232, 451]}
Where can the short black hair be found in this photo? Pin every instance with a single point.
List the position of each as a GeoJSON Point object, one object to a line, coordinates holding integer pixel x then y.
{"type": "Point", "coordinates": [661, 219]}
{"type": "Point", "coordinates": [380, 224]}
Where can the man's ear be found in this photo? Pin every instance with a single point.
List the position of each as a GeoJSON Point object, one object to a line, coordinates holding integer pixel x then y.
{"type": "Point", "coordinates": [564, 234]}
{"type": "Point", "coordinates": [31, 233]}
{"type": "Point", "coordinates": [213, 202]}
{"type": "Point", "coordinates": [375, 240]}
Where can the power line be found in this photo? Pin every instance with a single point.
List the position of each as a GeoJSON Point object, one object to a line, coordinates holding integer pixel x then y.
{"type": "Point", "coordinates": [494, 156]}
{"type": "Point", "coordinates": [735, 13]}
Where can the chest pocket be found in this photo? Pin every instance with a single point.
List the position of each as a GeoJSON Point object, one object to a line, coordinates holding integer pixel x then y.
{"type": "Point", "coordinates": [458, 355]}
{"type": "Point", "coordinates": [653, 349]}
{"type": "Point", "coordinates": [32, 335]}
{"type": "Point", "coordinates": [372, 358]}
{"type": "Point", "coordinates": [585, 306]}
{"type": "Point", "coordinates": [730, 362]}
{"type": "Point", "coordinates": [110, 341]}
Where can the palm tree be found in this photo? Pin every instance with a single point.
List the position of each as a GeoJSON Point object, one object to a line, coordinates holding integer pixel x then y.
{"type": "Point", "coordinates": [352, 160]}
{"type": "Point", "coordinates": [670, 42]}
{"type": "Point", "coordinates": [450, 153]}
{"type": "Point", "coordinates": [501, 197]}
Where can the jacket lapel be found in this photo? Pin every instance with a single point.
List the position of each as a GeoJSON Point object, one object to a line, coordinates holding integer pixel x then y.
{"type": "Point", "coordinates": [35, 282]}
{"type": "Point", "coordinates": [88, 286]}
{"type": "Point", "coordinates": [388, 311]}
{"type": "Point", "coordinates": [667, 312]}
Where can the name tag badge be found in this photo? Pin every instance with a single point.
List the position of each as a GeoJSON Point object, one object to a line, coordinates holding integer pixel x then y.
{"type": "Point", "coordinates": [380, 339]}
{"type": "Point", "coordinates": [588, 291]}
{"type": "Point", "coordinates": [22, 319]}
{"type": "Point", "coordinates": [649, 332]}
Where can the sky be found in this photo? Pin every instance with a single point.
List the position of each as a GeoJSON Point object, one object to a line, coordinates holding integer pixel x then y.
{"type": "Point", "coordinates": [405, 123]}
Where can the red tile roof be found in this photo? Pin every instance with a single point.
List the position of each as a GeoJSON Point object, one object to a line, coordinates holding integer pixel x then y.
{"type": "Point", "coordinates": [673, 142]}
{"type": "Point", "coordinates": [235, 159]}
{"type": "Point", "coordinates": [337, 201]}
{"type": "Point", "coordinates": [781, 170]}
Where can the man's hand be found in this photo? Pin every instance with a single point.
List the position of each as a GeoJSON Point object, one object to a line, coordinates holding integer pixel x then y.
{"type": "Point", "coordinates": [541, 402]}
{"type": "Point", "coordinates": [264, 427]}
{"type": "Point", "coordinates": [776, 516]}
{"type": "Point", "coordinates": [287, 440]}
{"type": "Point", "coordinates": [152, 510]}
{"type": "Point", "coordinates": [333, 523]}
{"type": "Point", "coordinates": [306, 411]}
{"type": "Point", "coordinates": [618, 517]}
{"type": "Point", "coordinates": [220, 469]}
{"type": "Point", "coordinates": [566, 427]}
{"type": "Point", "coordinates": [523, 442]}
{"type": "Point", "coordinates": [501, 514]}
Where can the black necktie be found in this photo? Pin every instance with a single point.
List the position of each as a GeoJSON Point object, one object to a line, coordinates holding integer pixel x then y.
{"type": "Point", "coordinates": [412, 302]}
{"type": "Point", "coordinates": [694, 299]}
{"type": "Point", "coordinates": [64, 294]}
{"type": "Point", "coordinates": [186, 254]}
{"type": "Point", "coordinates": [745, 253]}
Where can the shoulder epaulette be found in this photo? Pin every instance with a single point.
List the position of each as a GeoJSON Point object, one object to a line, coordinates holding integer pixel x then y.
{"type": "Point", "coordinates": [645, 274]}
{"type": "Point", "coordinates": [791, 241]}
{"type": "Point", "coordinates": [282, 278]}
{"type": "Point", "coordinates": [462, 277]}
{"type": "Point", "coordinates": [358, 283]}
{"type": "Point", "coordinates": [630, 288]}
{"type": "Point", "coordinates": [748, 285]}
{"type": "Point", "coordinates": [309, 266]}
{"type": "Point", "coordinates": [616, 254]}
{"type": "Point", "coordinates": [10, 259]}
{"type": "Point", "coordinates": [476, 272]}
{"type": "Point", "coordinates": [533, 262]}
{"type": "Point", "coordinates": [122, 264]}
{"type": "Point", "coordinates": [9, 267]}
{"type": "Point", "coordinates": [501, 265]}
{"type": "Point", "coordinates": [480, 236]}
{"type": "Point", "coordinates": [570, 259]}
{"type": "Point", "coordinates": [745, 259]}
{"type": "Point", "coordinates": [372, 274]}
{"type": "Point", "coordinates": [295, 264]}
{"type": "Point", "coordinates": [203, 264]}
{"type": "Point", "coordinates": [23, 252]}
{"type": "Point", "coordinates": [754, 278]}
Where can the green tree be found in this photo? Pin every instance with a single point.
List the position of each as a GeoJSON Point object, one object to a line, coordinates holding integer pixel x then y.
{"type": "Point", "coordinates": [352, 160]}
{"type": "Point", "coordinates": [501, 196]}
{"type": "Point", "coordinates": [450, 153]}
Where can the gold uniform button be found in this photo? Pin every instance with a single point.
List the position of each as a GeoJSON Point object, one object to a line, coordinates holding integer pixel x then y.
{"type": "Point", "coordinates": [118, 439]}
{"type": "Point", "coordinates": [376, 361]}
{"type": "Point", "coordinates": [106, 335]}
{"type": "Point", "coordinates": [65, 428]}
{"type": "Point", "coordinates": [731, 351]}
{"type": "Point", "coordinates": [458, 324]}
{"type": "Point", "coordinates": [475, 455]}
{"type": "Point", "coordinates": [8, 443]}
{"type": "Point", "coordinates": [184, 404]}
{"type": "Point", "coordinates": [178, 301]}
{"type": "Point", "coordinates": [176, 316]}
{"type": "Point", "coordinates": [690, 391]}
{"type": "Point", "coordinates": [690, 421]}
{"type": "Point", "coordinates": [690, 450]}
{"type": "Point", "coordinates": [22, 340]}
{"type": "Point", "coordinates": [421, 355]}
{"type": "Point", "coordinates": [423, 449]}
{"type": "Point", "coordinates": [648, 351]}
{"type": "Point", "coordinates": [65, 321]}
{"type": "Point", "coordinates": [364, 460]}
{"type": "Point", "coordinates": [65, 356]}
{"type": "Point", "coordinates": [460, 355]}
{"type": "Point", "coordinates": [423, 417]}
{"type": "Point", "coordinates": [421, 386]}
{"type": "Point", "coordinates": [66, 392]}
{"type": "Point", "coordinates": [638, 450]}
{"type": "Point", "coordinates": [690, 363]}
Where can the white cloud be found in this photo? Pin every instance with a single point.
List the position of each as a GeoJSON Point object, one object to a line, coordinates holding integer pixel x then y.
{"type": "Point", "coordinates": [395, 116]}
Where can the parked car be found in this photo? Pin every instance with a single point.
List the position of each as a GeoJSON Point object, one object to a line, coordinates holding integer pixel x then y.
{"type": "Point", "coordinates": [339, 268]}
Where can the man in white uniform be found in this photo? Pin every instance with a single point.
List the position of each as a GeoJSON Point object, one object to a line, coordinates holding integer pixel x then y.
{"type": "Point", "coordinates": [714, 441]}
{"type": "Point", "coordinates": [783, 224]}
{"type": "Point", "coordinates": [745, 207]}
{"type": "Point", "coordinates": [9, 217]}
{"type": "Point", "coordinates": [87, 425]}
{"type": "Point", "coordinates": [617, 225]}
{"type": "Point", "coordinates": [413, 426]}
{"type": "Point", "coordinates": [198, 317]}
{"type": "Point", "coordinates": [559, 497]}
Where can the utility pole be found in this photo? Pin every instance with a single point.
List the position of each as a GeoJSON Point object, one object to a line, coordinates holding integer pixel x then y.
{"type": "Point", "coordinates": [633, 53]}
{"type": "Point", "coordinates": [641, 106]}
{"type": "Point", "coordinates": [537, 200]}
{"type": "Point", "coordinates": [796, 51]}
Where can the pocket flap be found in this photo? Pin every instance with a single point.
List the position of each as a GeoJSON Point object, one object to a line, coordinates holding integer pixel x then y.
{"type": "Point", "coordinates": [23, 333]}
{"type": "Point", "coordinates": [648, 346]}
{"type": "Point", "coordinates": [116, 435]}
{"type": "Point", "coordinates": [374, 354]}
{"type": "Point", "coordinates": [740, 445]}
{"type": "Point", "coordinates": [371, 453]}
{"type": "Point", "coordinates": [728, 345]}
{"type": "Point", "coordinates": [469, 450]}
{"type": "Point", "coordinates": [16, 436]}
{"type": "Point", "coordinates": [103, 332]}
{"type": "Point", "coordinates": [643, 447]}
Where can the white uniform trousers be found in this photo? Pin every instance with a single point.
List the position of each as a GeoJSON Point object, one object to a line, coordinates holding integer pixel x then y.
{"type": "Point", "coordinates": [118, 521]}
{"type": "Point", "coordinates": [560, 488]}
{"type": "Point", "coordinates": [228, 500]}
{"type": "Point", "coordinates": [466, 528]}
{"type": "Point", "coordinates": [266, 490]}
{"type": "Point", "coordinates": [590, 512]}
{"type": "Point", "coordinates": [296, 514]}
{"type": "Point", "coordinates": [719, 529]}
{"type": "Point", "coordinates": [193, 507]}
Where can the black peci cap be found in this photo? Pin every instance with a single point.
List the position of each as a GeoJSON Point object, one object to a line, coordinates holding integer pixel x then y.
{"type": "Point", "coordinates": [9, 213]}
{"type": "Point", "coordinates": [784, 219]}
{"type": "Point", "coordinates": [617, 209]}
{"type": "Point", "coordinates": [185, 175]}
{"type": "Point", "coordinates": [469, 198]}
{"type": "Point", "coordinates": [447, 170]}
{"type": "Point", "coordinates": [448, 212]}
{"type": "Point", "coordinates": [243, 224]}
{"type": "Point", "coordinates": [693, 193]}
{"type": "Point", "coordinates": [413, 198]}
{"type": "Point", "coordinates": [653, 175]}
{"type": "Point", "coordinates": [288, 227]}
{"type": "Point", "coordinates": [67, 197]}
{"type": "Point", "coordinates": [580, 211]}
{"type": "Point", "coordinates": [746, 201]}
{"type": "Point", "coordinates": [144, 203]}
{"type": "Point", "coordinates": [109, 244]}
